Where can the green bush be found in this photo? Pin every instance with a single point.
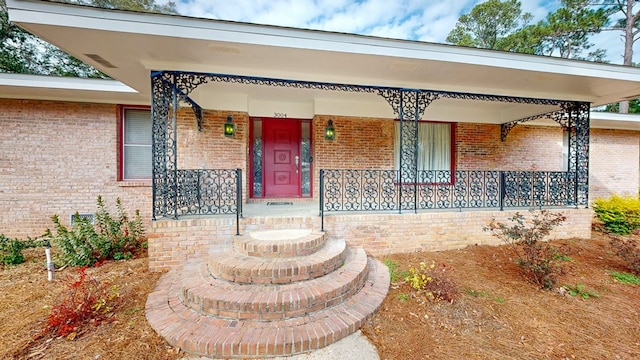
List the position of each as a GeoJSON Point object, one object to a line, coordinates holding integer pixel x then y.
{"type": "Point", "coordinates": [11, 249]}
{"type": "Point", "coordinates": [620, 215]}
{"type": "Point", "coordinates": [85, 244]}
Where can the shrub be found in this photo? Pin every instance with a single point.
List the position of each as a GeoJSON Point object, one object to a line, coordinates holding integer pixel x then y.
{"type": "Point", "coordinates": [125, 236]}
{"type": "Point", "coordinates": [620, 215]}
{"type": "Point", "coordinates": [85, 301]}
{"type": "Point", "coordinates": [629, 251]}
{"type": "Point", "coordinates": [538, 260]}
{"type": "Point", "coordinates": [11, 249]}
{"type": "Point", "coordinates": [433, 281]}
{"type": "Point", "coordinates": [394, 274]}
{"type": "Point", "coordinates": [110, 238]}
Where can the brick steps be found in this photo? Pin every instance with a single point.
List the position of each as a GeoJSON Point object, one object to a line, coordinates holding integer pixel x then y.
{"type": "Point", "coordinates": [233, 266]}
{"type": "Point", "coordinates": [268, 244]}
{"type": "Point", "coordinates": [215, 337]}
{"type": "Point", "coordinates": [265, 299]}
{"type": "Point", "coordinates": [211, 296]}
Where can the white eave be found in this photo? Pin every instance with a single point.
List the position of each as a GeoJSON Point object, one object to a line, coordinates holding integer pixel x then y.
{"type": "Point", "coordinates": [38, 87]}
{"type": "Point", "coordinates": [130, 45]}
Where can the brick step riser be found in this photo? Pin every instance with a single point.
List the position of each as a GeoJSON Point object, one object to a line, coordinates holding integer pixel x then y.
{"type": "Point", "coordinates": [303, 246]}
{"type": "Point", "coordinates": [229, 267]}
{"type": "Point", "coordinates": [272, 304]}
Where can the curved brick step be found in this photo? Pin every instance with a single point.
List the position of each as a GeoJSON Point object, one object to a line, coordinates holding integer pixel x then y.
{"type": "Point", "coordinates": [232, 266]}
{"type": "Point", "coordinates": [211, 296]}
{"type": "Point", "coordinates": [279, 243]}
{"type": "Point", "coordinates": [223, 338]}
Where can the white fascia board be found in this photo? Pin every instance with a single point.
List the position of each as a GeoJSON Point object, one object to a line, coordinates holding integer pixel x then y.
{"type": "Point", "coordinates": [28, 11]}
{"type": "Point", "coordinates": [611, 116]}
{"type": "Point", "coordinates": [69, 83]}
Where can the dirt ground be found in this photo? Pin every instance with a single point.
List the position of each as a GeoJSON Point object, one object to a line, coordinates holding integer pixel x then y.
{"type": "Point", "coordinates": [497, 315]}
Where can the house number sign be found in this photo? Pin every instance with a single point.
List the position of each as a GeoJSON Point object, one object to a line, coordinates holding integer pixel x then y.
{"type": "Point", "coordinates": [279, 115]}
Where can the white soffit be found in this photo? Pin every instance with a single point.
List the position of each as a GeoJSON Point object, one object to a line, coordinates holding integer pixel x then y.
{"type": "Point", "coordinates": [137, 43]}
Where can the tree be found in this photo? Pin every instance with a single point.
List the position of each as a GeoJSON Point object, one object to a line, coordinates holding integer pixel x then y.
{"type": "Point", "coordinates": [25, 53]}
{"type": "Point", "coordinates": [566, 31]}
{"type": "Point", "coordinates": [630, 26]}
{"type": "Point", "coordinates": [17, 53]}
{"type": "Point", "coordinates": [134, 5]}
{"type": "Point", "coordinates": [633, 107]}
{"type": "Point", "coordinates": [502, 25]}
{"type": "Point", "coordinates": [489, 24]}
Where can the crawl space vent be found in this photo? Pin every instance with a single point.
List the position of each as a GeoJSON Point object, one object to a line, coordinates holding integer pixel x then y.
{"type": "Point", "coordinates": [72, 217]}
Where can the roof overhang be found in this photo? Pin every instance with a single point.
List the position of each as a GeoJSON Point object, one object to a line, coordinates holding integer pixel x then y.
{"type": "Point", "coordinates": [21, 86]}
{"type": "Point", "coordinates": [129, 45]}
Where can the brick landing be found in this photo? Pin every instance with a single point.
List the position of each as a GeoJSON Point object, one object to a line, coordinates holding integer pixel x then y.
{"type": "Point", "coordinates": [310, 301]}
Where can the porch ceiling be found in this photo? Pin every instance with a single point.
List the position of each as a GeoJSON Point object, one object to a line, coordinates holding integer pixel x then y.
{"type": "Point", "coordinates": [129, 45]}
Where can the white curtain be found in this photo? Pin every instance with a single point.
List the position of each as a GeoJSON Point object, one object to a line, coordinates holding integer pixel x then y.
{"type": "Point", "coordinates": [434, 146]}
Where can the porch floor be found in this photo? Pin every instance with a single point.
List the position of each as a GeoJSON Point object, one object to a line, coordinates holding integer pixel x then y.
{"type": "Point", "coordinates": [293, 208]}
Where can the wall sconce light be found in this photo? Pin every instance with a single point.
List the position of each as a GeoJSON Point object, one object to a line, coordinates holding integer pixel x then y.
{"type": "Point", "coordinates": [229, 127]}
{"type": "Point", "coordinates": [330, 131]}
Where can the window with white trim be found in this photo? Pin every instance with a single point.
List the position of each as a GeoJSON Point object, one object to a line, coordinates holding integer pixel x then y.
{"type": "Point", "coordinates": [434, 146]}
{"type": "Point", "coordinates": [136, 144]}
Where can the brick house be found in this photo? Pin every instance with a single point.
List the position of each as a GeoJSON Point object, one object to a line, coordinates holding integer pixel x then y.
{"type": "Point", "coordinates": [384, 145]}
{"type": "Point", "coordinates": [429, 141]}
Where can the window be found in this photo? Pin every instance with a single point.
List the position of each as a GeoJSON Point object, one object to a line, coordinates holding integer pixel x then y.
{"type": "Point", "coordinates": [434, 146]}
{"type": "Point", "coordinates": [136, 144]}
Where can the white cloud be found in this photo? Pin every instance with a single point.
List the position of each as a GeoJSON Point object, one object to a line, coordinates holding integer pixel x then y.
{"type": "Point", "coordinates": [424, 20]}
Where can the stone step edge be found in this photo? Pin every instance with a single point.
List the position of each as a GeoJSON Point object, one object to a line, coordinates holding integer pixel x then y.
{"type": "Point", "coordinates": [222, 338]}
{"type": "Point", "coordinates": [239, 268]}
{"type": "Point", "coordinates": [302, 246]}
{"type": "Point", "coordinates": [211, 296]}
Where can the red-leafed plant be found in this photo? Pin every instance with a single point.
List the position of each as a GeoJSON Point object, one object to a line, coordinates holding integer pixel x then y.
{"type": "Point", "coordinates": [85, 301]}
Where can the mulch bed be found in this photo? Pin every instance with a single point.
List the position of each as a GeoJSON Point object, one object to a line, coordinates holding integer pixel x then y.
{"type": "Point", "coordinates": [498, 315]}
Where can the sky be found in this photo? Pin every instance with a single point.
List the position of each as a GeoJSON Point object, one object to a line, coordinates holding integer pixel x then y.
{"type": "Point", "coordinates": [421, 20]}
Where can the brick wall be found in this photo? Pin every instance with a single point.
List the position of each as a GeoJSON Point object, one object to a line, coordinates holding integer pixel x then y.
{"type": "Point", "coordinates": [479, 147]}
{"type": "Point", "coordinates": [56, 158]}
{"type": "Point", "coordinates": [209, 148]}
{"type": "Point", "coordinates": [613, 162]}
{"type": "Point", "coordinates": [172, 242]}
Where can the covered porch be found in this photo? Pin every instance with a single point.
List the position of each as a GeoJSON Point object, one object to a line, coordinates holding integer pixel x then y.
{"type": "Point", "coordinates": [406, 208]}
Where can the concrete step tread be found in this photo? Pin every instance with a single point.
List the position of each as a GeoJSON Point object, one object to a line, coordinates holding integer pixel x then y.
{"type": "Point", "coordinates": [232, 266]}
{"type": "Point", "coordinates": [216, 337]}
{"type": "Point", "coordinates": [206, 294]}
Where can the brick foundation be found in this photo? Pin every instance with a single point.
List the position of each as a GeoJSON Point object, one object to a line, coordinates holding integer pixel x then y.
{"type": "Point", "coordinates": [172, 242]}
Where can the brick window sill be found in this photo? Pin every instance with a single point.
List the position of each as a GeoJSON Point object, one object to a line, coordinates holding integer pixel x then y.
{"type": "Point", "coordinates": [134, 183]}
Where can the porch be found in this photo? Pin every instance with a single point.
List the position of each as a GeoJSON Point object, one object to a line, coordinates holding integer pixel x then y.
{"type": "Point", "coordinates": [380, 232]}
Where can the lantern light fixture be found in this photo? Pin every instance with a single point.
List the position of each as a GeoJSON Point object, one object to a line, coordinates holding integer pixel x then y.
{"type": "Point", "coordinates": [229, 127]}
{"type": "Point", "coordinates": [330, 131]}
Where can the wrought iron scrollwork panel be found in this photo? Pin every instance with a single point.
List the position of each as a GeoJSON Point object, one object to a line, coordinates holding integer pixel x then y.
{"type": "Point", "coordinates": [371, 190]}
{"type": "Point", "coordinates": [207, 192]}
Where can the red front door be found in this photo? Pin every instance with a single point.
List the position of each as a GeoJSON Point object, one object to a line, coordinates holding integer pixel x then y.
{"type": "Point", "coordinates": [281, 157]}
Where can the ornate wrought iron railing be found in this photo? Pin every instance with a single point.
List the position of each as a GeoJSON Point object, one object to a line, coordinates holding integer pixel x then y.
{"type": "Point", "coordinates": [381, 190]}
{"type": "Point", "coordinates": [207, 192]}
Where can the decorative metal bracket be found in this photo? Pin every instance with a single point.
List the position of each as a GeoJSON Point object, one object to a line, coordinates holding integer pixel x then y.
{"type": "Point", "coordinates": [182, 95]}
{"type": "Point", "coordinates": [560, 116]}
{"type": "Point", "coordinates": [418, 101]}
